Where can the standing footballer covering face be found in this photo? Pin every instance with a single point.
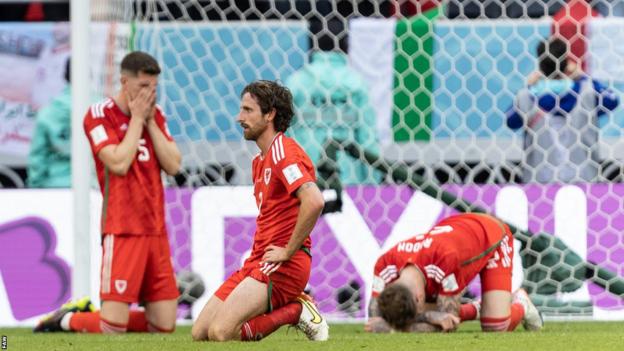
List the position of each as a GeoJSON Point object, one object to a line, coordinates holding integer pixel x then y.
{"type": "Point", "coordinates": [131, 145]}
{"type": "Point", "coordinates": [267, 292]}
{"type": "Point", "coordinates": [418, 283]}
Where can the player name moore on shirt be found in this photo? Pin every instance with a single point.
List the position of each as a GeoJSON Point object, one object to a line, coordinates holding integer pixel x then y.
{"type": "Point", "coordinates": [414, 247]}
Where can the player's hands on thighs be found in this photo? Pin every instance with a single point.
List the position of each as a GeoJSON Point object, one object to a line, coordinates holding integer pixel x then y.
{"type": "Point", "coordinates": [275, 254]}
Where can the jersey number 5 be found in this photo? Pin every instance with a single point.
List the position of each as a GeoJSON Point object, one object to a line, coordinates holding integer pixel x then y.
{"type": "Point", "coordinates": [144, 155]}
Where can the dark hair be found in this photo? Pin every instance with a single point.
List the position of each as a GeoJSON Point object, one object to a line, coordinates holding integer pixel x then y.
{"type": "Point", "coordinates": [67, 74]}
{"type": "Point", "coordinates": [552, 56]}
{"type": "Point", "coordinates": [139, 61]}
{"type": "Point", "coordinates": [397, 307]}
{"type": "Point", "coordinates": [271, 95]}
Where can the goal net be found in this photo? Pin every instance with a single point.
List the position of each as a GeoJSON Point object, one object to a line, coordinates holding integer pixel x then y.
{"type": "Point", "coordinates": [404, 111]}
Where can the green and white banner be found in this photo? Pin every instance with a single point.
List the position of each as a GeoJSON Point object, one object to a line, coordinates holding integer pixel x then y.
{"type": "Point", "coordinates": [431, 77]}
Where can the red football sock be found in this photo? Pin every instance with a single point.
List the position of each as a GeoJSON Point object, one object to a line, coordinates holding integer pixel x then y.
{"type": "Point", "coordinates": [85, 322]}
{"type": "Point", "coordinates": [517, 314]}
{"type": "Point", "coordinates": [468, 312]}
{"type": "Point", "coordinates": [89, 322]}
{"type": "Point", "coordinates": [489, 324]}
{"type": "Point", "coordinates": [504, 324]}
{"type": "Point", "coordinates": [137, 322]}
{"type": "Point", "coordinates": [261, 326]}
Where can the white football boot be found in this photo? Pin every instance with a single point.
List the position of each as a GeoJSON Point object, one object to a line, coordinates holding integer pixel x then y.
{"type": "Point", "coordinates": [532, 320]}
{"type": "Point", "coordinates": [311, 322]}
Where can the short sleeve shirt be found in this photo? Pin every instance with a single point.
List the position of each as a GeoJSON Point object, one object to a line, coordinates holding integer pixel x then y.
{"type": "Point", "coordinates": [277, 175]}
{"type": "Point", "coordinates": [133, 203]}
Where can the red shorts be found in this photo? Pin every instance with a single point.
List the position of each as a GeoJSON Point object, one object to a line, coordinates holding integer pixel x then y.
{"type": "Point", "coordinates": [137, 268]}
{"type": "Point", "coordinates": [284, 284]}
{"type": "Point", "coordinates": [496, 275]}
{"type": "Point", "coordinates": [494, 264]}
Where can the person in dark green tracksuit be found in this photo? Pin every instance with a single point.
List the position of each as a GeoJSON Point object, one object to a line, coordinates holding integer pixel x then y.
{"type": "Point", "coordinates": [49, 160]}
{"type": "Point", "coordinates": [331, 101]}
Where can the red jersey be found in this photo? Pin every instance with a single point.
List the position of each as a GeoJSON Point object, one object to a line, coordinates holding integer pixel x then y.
{"type": "Point", "coordinates": [277, 176]}
{"type": "Point", "coordinates": [449, 256]}
{"type": "Point", "coordinates": [134, 203]}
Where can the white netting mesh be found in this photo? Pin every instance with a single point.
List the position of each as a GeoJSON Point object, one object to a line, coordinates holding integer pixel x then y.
{"type": "Point", "coordinates": [427, 92]}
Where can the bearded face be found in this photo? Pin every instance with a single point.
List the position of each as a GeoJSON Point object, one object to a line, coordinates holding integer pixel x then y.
{"type": "Point", "coordinates": [251, 118]}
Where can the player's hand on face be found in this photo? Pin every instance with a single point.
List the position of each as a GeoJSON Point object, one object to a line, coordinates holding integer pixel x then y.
{"type": "Point", "coordinates": [143, 104]}
{"type": "Point", "coordinates": [447, 321]}
{"type": "Point", "coordinates": [275, 254]}
{"type": "Point", "coordinates": [152, 103]}
{"type": "Point", "coordinates": [377, 325]}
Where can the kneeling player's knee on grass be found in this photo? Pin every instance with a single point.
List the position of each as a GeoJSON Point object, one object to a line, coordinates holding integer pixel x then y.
{"type": "Point", "coordinates": [161, 329]}
{"type": "Point", "coordinates": [162, 326]}
{"type": "Point", "coordinates": [199, 333]}
{"type": "Point", "coordinates": [397, 306]}
{"type": "Point", "coordinates": [220, 332]}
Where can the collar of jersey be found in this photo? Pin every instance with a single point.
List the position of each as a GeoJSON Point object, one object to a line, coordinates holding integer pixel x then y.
{"type": "Point", "coordinates": [271, 144]}
{"type": "Point", "coordinates": [118, 108]}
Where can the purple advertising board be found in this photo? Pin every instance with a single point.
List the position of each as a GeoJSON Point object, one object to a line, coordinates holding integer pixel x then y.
{"type": "Point", "coordinates": [35, 260]}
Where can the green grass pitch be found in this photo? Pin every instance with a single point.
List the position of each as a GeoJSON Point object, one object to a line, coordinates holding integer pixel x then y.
{"type": "Point", "coordinates": [600, 336]}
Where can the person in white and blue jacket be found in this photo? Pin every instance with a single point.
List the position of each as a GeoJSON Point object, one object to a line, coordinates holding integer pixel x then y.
{"type": "Point", "coordinates": [559, 111]}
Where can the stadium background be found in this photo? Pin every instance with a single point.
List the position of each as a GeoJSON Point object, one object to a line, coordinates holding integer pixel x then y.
{"type": "Point", "coordinates": [471, 59]}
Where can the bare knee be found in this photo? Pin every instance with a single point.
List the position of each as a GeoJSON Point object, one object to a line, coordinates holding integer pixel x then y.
{"type": "Point", "coordinates": [166, 329]}
{"type": "Point", "coordinates": [161, 316]}
{"type": "Point", "coordinates": [220, 332]}
{"type": "Point", "coordinates": [115, 312]}
{"type": "Point", "coordinates": [199, 332]}
{"type": "Point", "coordinates": [162, 326]}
